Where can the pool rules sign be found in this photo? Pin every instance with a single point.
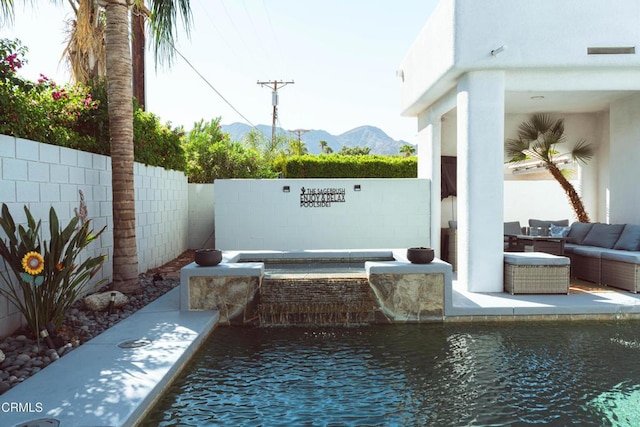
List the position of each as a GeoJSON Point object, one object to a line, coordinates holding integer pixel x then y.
{"type": "Point", "coordinates": [321, 197]}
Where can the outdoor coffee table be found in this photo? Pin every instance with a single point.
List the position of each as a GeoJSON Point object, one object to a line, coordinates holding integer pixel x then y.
{"type": "Point", "coordinates": [547, 244]}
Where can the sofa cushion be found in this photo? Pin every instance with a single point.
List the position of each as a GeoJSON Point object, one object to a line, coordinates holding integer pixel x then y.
{"type": "Point", "coordinates": [512, 228]}
{"type": "Point", "coordinates": [629, 240]}
{"type": "Point", "coordinates": [590, 251]}
{"type": "Point", "coordinates": [578, 232]}
{"type": "Point", "coordinates": [546, 223]}
{"type": "Point", "coordinates": [603, 235]}
{"type": "Point", "coordinates": [632, 257]}
{"type": "Point", "coordinates": [534, 258]}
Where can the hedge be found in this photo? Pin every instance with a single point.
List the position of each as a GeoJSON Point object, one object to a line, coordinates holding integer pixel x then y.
{"type": "Point", "coordinates": [340, 166]}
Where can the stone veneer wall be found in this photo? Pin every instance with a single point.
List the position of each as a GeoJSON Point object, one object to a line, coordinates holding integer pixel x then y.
{"type": "Point", "coordinates": [42, 175]}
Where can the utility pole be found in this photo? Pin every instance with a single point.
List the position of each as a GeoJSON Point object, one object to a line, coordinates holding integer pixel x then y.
{"type": "Point", "coordinates": [299, 132]}
{"type": "Point", "coordinates": [274, 85]}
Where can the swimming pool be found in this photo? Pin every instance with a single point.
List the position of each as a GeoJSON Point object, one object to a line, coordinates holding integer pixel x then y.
{"type": "Point", "coordinates": [577, 373]}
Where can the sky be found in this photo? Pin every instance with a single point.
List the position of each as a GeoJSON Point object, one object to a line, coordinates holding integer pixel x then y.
{"type": "Point", "coordinates": [341, 55]}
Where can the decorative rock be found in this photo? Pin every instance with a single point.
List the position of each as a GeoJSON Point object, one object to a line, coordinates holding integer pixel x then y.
{"type": "Point", "coordinates": [1, 356]}
{"type": "Point", "coordinates": [23, 357]}
{"type": "Point", "coordinates": [100, 301]}
{"type": "Point", "coordinates": [4, 387]}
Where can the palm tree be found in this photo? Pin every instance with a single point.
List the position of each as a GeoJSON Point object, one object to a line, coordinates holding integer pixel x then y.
{"type": "Point", "coordinates": [537, 140]}
{"type": "Point", "coordinates": [85, 45]}
{"type": "Point", "coordinates": [120, 109]}
{"type": "Point", "coordinates": [408, 150]}
{"type": "Point", "coordinates": [296, 147]}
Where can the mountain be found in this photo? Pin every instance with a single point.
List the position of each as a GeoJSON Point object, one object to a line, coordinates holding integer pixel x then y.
{"type": "Point", "coordinates": [363, 136]}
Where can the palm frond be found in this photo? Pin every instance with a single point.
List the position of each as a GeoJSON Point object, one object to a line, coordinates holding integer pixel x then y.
{"type": "Point", "coordinates": [163, 25]}
{"type": "Point", "coordinates": [582, 152]}
{"type": "Point", "coordinates": [516, 149]}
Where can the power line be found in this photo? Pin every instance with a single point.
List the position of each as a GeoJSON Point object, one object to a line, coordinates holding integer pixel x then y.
{"type": "Point", "coordinates": [273, 85]}
{"type": "Point", "coordinates": [211, 86]}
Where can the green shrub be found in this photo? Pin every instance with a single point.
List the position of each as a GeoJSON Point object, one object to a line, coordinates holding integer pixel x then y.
{"type": "Point", "coordinates": [76, 116]}
{"type": "Point", "coordinates": [211, 155]}
{"type": "Point", "coordinates": [43, 279]}
{"type": "Point", "coordinates": [340, 166]}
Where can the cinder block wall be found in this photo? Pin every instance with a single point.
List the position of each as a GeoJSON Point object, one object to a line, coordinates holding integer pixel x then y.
{"type": "Point", "coordinates": [42, 176]}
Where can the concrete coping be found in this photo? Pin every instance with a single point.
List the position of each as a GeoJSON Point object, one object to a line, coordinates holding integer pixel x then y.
{"type": "Point", "coordinates": [405, 267]}
{"type": "Point", "coordinates": [534, 258]}
{"type": "Point", "coordinates": [223, 269]}
{"type": "Point", "coordinates": [316, 254]}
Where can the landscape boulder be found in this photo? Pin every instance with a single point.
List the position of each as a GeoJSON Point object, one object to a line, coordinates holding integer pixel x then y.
{"type": "Point", "coordinates": [100, 301]}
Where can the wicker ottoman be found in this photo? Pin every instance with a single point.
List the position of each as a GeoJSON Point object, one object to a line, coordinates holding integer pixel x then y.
{"type": "Point", "coordinates": [535, 273]}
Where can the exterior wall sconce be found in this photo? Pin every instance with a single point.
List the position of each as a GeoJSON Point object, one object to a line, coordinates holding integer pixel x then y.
{"type": "Point", "coordinates": [496, 51]}
{"type": "Point", "coordinates": [356, 187]}
{"type": "Point", "coordinates": [286, 189]}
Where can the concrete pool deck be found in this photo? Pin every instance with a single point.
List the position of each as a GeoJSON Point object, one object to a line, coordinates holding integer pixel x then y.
{"type": "Point", "coordinates": [101, 384]}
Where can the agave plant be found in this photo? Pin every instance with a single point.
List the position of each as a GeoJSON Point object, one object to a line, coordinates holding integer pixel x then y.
{"type": "Point", "coordinates": [43, 278]}
{"type": "Point", "coordinates": [538, 139]}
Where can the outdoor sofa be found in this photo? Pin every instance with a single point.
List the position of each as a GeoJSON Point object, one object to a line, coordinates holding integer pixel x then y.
{"type": "Point", "coordinates": [607, 254]}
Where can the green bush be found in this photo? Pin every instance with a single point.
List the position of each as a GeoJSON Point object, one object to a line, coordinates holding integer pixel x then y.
{"type": "Point", "coordinates": [43, 279]}
{"type": "Point", "coordinates": [211, 155]}
{"type": "Point", "coordinates": [339, 166]}
{"type": "Point", "coordinates": [76, 116]}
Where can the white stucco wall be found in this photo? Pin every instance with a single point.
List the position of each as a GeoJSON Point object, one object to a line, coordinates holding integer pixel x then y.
{"type": "Point", "coordinates": [624, 169]}
{"type": "Point", "coordinates": [42, 176]}
{"type": "Point", "coordinates": [258, 215]}
{"type": "Point", "coordinates": [201, 216]}
{"type": "Point", "coordinates": [550, 55]}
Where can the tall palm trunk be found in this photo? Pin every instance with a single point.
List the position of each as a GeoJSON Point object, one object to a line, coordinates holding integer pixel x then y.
{"type": "Point", "coordinates": [572, 194]}
{"type": "Point", "coordinates": [119, 92]}
{"type": "Point", "coordinates": [138, 40]}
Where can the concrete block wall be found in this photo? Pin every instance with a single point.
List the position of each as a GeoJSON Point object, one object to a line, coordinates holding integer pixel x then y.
{"type": "Point", "coordinates": [42, 176]}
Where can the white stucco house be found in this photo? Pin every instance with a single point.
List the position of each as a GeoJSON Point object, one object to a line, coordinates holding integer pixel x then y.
{"type": "Point", "coordinates": [480, 68]}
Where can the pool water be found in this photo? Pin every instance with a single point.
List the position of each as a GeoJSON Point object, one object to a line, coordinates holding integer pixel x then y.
{"type": "Point", "coordinates": [494, 374]}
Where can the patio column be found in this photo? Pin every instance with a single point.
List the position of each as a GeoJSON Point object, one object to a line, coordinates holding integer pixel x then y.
{"type": "Point", "coordinates": [480, 101]}
{"type": "Point", "coordinates": [429, 150]}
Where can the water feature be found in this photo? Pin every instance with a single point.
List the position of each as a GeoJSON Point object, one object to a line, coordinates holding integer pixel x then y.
{"type": "Point", "coordinates": [319, 291]}
{"type": "Point", "coordinates": [557, 373]}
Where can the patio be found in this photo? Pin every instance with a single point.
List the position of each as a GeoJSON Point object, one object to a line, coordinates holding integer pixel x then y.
{"type": "Point", "coordinates": [585, 301]}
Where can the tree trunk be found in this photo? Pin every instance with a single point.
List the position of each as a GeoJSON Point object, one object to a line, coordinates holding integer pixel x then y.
{"type": "Point", "coordinates": [138, 52]}
{"type": "Point", "coordinates": [572, 194]}
{"type": "Point", "coordinates": [119, 77]}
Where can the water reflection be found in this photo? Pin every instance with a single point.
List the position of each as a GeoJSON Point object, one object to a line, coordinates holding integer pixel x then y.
{"type": "Point", "coordinates": [489, 374]}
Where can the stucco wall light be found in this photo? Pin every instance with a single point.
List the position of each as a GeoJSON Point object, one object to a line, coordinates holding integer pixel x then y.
{"type": "Point", "coordinates": [496, 51]}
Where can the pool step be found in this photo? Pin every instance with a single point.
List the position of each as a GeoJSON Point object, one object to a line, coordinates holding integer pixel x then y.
{"type": "Point", "coordinates": [316, 301]}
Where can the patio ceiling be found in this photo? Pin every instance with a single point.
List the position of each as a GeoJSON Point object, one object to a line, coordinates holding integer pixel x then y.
{"type": "Point", "coordinates": [569, 102]}
{"type": "Point", "coordinates": [565, 102]}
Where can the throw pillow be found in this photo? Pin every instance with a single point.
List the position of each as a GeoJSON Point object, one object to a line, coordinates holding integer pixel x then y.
{"type": "Point", "coordinates": [559, 231]}
{"type": "Point", "coordinates": [629, 240]}
{"type": "Point", "coordinates": [603, 235]}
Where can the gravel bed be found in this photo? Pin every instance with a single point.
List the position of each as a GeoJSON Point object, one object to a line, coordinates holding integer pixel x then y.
{"type": "Point", "coordinates": [23, 357]}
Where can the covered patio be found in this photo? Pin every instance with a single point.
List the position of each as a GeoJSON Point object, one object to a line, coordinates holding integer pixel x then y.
{"type": "Point", "coordinates": [586, 301]}
{"type": "Point", "coordinates": [479, 69]}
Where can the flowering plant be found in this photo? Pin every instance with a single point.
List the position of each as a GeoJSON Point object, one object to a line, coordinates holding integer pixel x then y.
{"type": "Point", "coordinates": [44, 278]}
